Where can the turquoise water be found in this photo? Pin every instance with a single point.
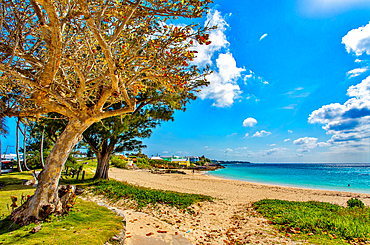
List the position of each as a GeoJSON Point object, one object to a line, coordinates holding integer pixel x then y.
{"type": "Point", "coordinates": [339, 177]}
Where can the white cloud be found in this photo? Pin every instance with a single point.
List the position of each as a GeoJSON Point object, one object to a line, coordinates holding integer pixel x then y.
{"type": "Point", "coordinates": [165, 152]}
{"type": "Point", "coordinates": [286, 140]}
{"type": "Point", "coordinates": [223, 88]}
{"type": "Point", "coordinates": [228, 150]}
{"type": "Point", "coordinates": [306, 143]}
{"type": "Point", "coordinates": [253, 77]}
{"type": "Point", "coordinates": [261, 133]}
{"type": "Point", "coordinates": [290, 131]}
{"type": "Point", "coordinates": [263, 36]}
{"type": "Point", "coordinates": [217, 38]}
{"type": "Point", "coordinates": [309, 142]}
{"type": "Point", "coordinates": [290, 107]}
{"type": "Point", "coordinates": [242, 148]}
{"type": "Point", "coordinates": [357, 72]}
{"type": "Point", "coordinates": [348, 123]}
{"type": "Point", "coordinates": [273, 145]}
{"type": "Point", "coordinates": [231, 134]}
{"type": "Point", "coordinates": [249, 122]}
{"type": "Point", "coordinates": [246, 135]}
{"type": "Point", "coordinates": [358, 40]}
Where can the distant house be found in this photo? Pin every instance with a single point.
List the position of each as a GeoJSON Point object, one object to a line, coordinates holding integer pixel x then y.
{"type": "Point", "coordinates": [157, 158]}
{"type": "Point", "coordinates": [193, 159]}
{"type": "Point", "coordinates": [182, 162]}
{"type": "Point", "coordinates": [166, 158]}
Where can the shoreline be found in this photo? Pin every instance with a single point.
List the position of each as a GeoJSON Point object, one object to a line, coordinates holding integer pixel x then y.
{"type": "Point", "coordinates": [357, 191]}
{"type": "Point", "coordinates": [232, 190]}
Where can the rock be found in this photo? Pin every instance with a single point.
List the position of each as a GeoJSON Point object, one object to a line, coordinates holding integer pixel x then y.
{"type": "Point", "coordinates": [36, 229]}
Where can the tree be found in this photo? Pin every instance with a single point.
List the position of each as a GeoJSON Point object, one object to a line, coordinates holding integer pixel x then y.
{"type": "Point", "coordinates": [78, 57]}
{"type": "Point", "coordinates": [3, 132]}
{"type": "Point", "coordinates": [118, 134]}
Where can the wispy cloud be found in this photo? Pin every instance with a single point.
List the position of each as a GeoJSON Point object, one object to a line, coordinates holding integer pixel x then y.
{"type": "Point", "coordinates": [253, 77]}
{"type": "Point", "coordinates": [357, 72]}
{"type": "Point", "coordinates": [261, 133]}
{"type": "Point", "coordinates": [286, 140]}
{"type": "Point", "coordinates": [263, 36]}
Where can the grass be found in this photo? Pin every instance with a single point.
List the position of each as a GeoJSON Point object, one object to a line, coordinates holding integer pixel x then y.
{"type": "Point", "coordinates": [115, 190]}
{"type": "Point", "coordinates": [318, 222]}
{"type": "Point", "coordinates": [87, 222]}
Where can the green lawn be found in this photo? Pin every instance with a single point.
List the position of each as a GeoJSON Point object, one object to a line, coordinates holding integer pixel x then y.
{"type": "Point", "coordinates": [87, 223]}
{"type": "Point", "coordinates": [318, 222]}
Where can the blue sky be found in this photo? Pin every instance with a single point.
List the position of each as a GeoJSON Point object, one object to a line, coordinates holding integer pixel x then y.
{"type": "Point", "coordinates": [291, 84]}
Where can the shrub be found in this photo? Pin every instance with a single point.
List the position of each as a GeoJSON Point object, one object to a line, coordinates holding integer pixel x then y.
{"type": "Point", "coordinates": [142, 163]}
{"type": "Point", "coordinates": [118, 162]}
{"type": "Point", "coordinates": [354, 202]}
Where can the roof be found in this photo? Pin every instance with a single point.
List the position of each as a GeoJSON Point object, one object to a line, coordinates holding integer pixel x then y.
{"type": "Point", "coordinates": [156, 158]}
{"type": "Point", "coordinates": [179, 160]}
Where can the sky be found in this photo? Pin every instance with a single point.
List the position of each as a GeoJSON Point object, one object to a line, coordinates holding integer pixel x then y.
{"type": "Point", "coordinates": [291, 84]}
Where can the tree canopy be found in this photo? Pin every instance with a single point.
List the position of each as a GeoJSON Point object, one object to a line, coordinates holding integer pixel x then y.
{"type": "Point", "coordinates": [78, 58]}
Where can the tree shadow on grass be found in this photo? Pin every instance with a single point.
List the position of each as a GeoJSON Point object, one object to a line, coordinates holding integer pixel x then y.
{"type": "Point", "coordinates": [14, 187]}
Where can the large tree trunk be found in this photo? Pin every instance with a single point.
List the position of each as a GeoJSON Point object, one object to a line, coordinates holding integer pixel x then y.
{"type": "Point", "coordinates": [46, 201]}
{"type": "Point", "coordinates": [103, 161]}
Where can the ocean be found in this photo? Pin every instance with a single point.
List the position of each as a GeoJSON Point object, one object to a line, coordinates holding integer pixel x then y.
{"type": "Point", "coordinates": [338, 177]}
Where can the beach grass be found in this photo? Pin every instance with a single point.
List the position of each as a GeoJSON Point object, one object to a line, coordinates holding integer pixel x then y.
{"type": "Point", "coordinates": [115, 190]}
{"type": "Point", "coordinates": [318, 222]}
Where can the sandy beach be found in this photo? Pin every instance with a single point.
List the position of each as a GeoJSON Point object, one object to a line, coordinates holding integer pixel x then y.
{"type": "Point", "coordinates": [230, 219]}
{"type": "Point", "coordinates": [230, 190]}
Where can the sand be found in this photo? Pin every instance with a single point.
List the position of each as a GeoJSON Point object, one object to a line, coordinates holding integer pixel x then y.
{"type": "Point", "coordinates": [230, 219]}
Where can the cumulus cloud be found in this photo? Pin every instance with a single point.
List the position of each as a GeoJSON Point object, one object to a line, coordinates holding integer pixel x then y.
{"type": "Point", "coordinates": [348, 123]}
{"type": "Point", "coordinates": [286, 140]}
{"type": "Point", "coordinates": [217, 38]}
{"type": "Point", "coordinates": [263, 36]}
{"type": "Point", "coordinates": [249, 122]}
{"type": "Point", "coordinates": [246, 135]}
{"type": "Point", "coordinates": [358, 40]}
{"type": "Point", "coordinates": [261, 133]}
{"type": "Point", "coordinates": [357, 72]}
{"type": "Point", "coordinates": [223, 87]}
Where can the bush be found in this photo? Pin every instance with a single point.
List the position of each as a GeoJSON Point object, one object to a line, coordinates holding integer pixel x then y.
{"type": "Point", "coordinates": [118, 162]}
{"type": "Point", "coordinates": [354, 202]}
{"type": "Point", "coordinates": [142, 163]}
